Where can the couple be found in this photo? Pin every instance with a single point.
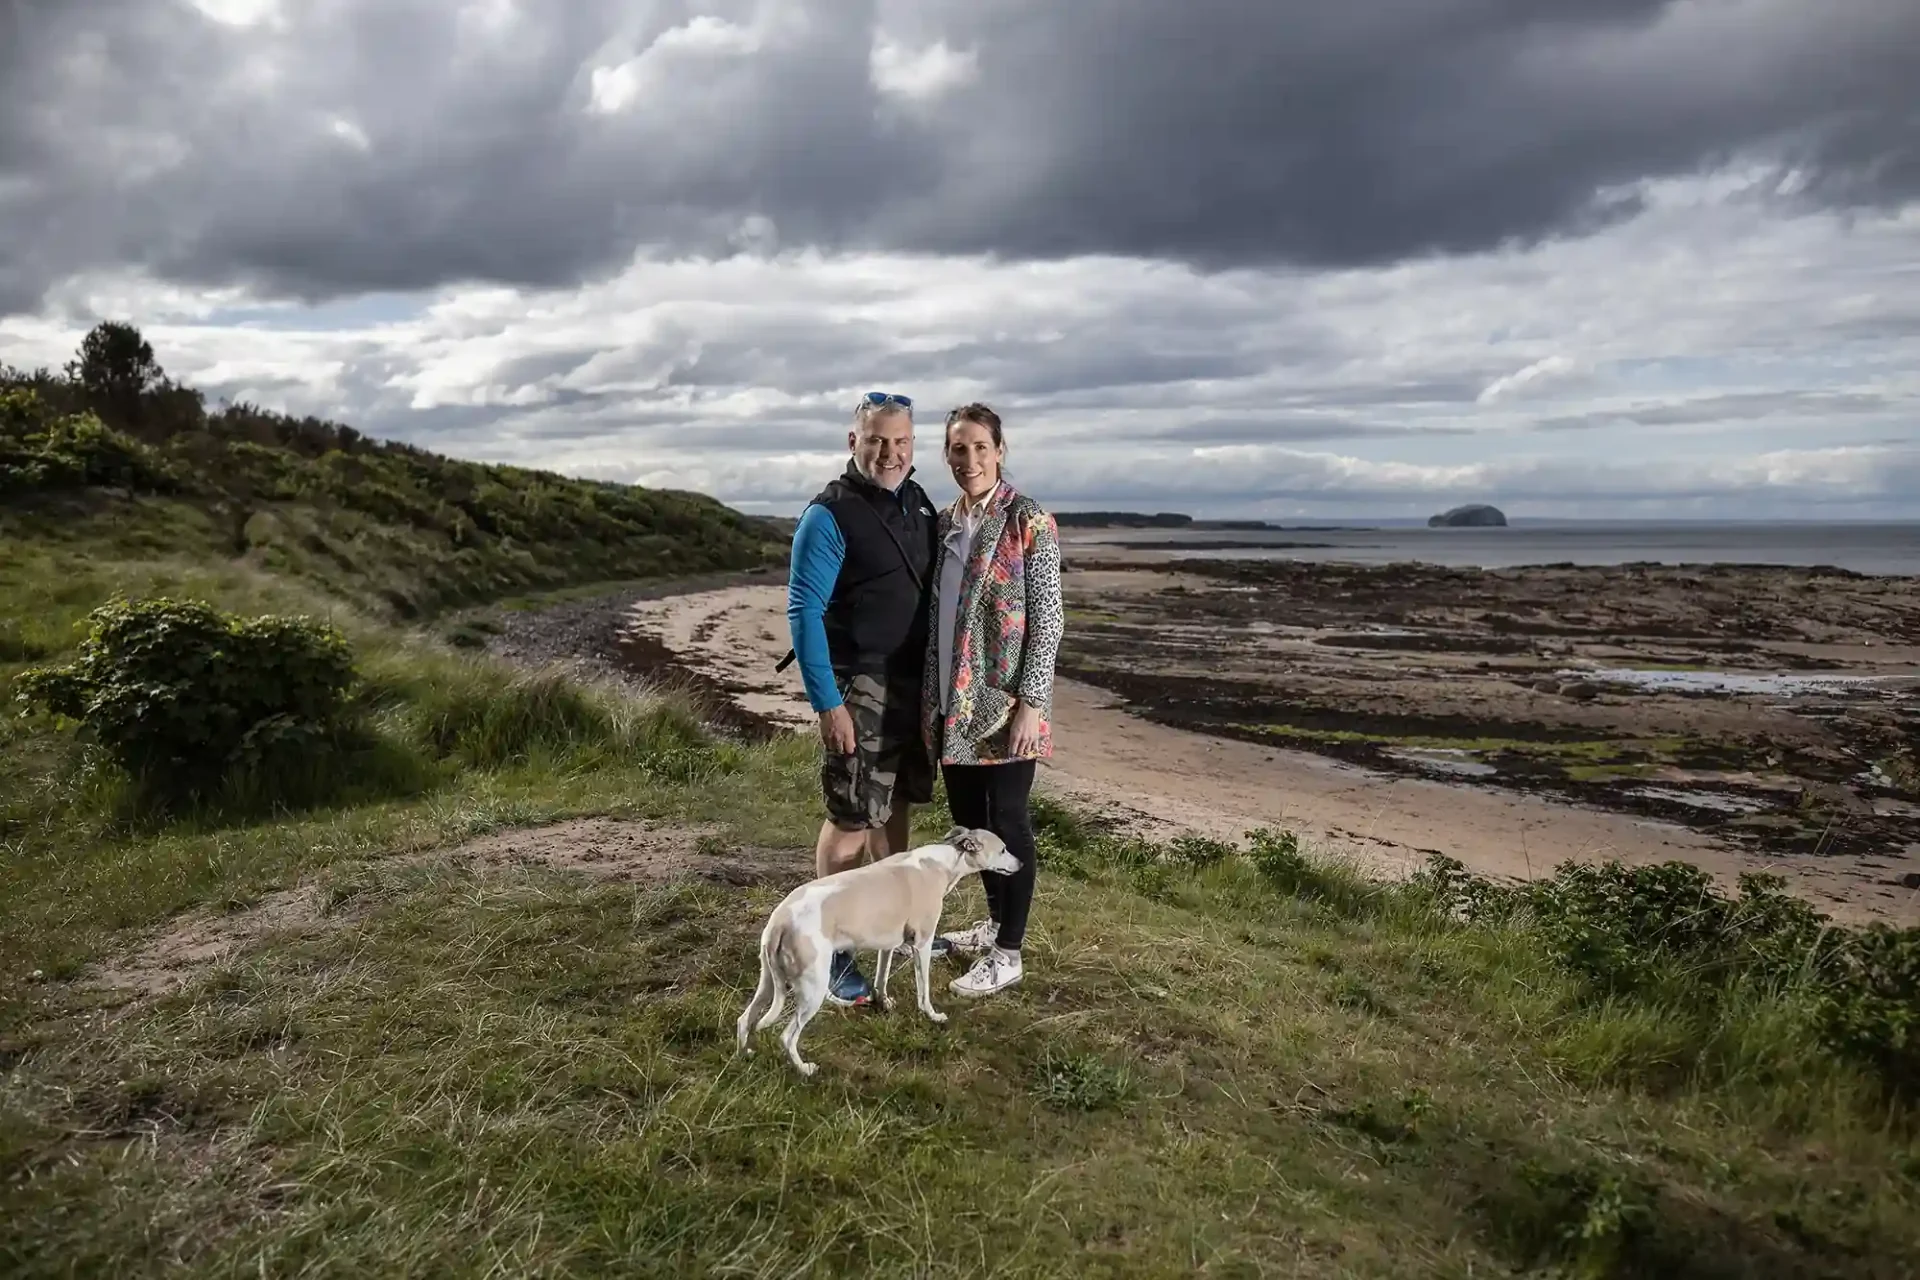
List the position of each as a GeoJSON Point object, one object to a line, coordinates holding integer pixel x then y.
{"type": "Point", "coordinates": [926, 638]}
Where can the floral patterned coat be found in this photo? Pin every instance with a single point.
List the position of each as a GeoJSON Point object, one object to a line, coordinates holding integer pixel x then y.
{"type": "Point", "coordinates": [1007, 628]}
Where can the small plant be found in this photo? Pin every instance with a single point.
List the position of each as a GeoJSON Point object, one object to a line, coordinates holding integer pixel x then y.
{"type": "Point", "coordinates": [1081, 1082]}
{"type": "Point", "coordinates": [1581, 1221]}
{"type": "Point", "coordinates": [1060, 859]}
{"type": "Point", "coordinates": [1153, 880]}
{"type": "Point", "coordinates": [1458, 893]}
{"type": "Point", "coordinates": [1198, 852]}
{"type": "Point", "coordinates": [1276, 856]}
{"type": "Point", "coordinates": [1388, 1125]}
{"type": "Point", "coordinates": [180, 695]}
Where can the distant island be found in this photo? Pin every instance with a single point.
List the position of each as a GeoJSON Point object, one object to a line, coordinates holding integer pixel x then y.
{"type": "Point", "coordinates": [1142, 520]}
{"type": "Point", "coordinates": [1122, 520]}
{"type": "Point", "coordinates": [1474, 515]}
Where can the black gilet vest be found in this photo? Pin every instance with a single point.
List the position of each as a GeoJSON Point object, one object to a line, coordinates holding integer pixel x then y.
{"type": "Point", "coordinates": [876, 620]}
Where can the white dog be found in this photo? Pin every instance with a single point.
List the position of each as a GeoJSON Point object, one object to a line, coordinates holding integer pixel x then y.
{"type": "Point", "coordinates": [878, 907]}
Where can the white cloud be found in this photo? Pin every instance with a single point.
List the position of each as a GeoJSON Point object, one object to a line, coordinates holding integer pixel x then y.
{"type": "Point", "coordinates": [618, 88]}
{"type": "Point", "coordinates": [920, 75]}
{"type": "Point", "coordinates": [1540, 376]}
{"type": "Point", "coordinates": [241, 13]}
{"type": "Point", "coordinates": [349, 133]}
{"type": "Point", "coordinates": [1729, 359]}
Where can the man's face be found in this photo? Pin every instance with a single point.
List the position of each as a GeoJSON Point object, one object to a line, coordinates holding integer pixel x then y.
{"type": "Point", "coordinates": [883, 447]}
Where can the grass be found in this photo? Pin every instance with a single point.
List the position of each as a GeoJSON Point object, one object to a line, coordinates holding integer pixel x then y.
{"type": "Point", "coordinates": [1221, 1062]}
{"type": "Point", "coordinates": [395, 530]}
{"type": "Point", "coordinates": [525, 1072]}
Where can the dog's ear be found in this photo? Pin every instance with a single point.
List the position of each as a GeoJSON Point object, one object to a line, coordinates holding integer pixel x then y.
{"type": "Point", "coordinates": [954, 832]}
{"type": "Point", "coordinates": [966, 842]}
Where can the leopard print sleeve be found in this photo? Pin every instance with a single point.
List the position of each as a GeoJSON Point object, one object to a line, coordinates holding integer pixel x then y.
{"type": "Point", "coordinates": [1046, 612]}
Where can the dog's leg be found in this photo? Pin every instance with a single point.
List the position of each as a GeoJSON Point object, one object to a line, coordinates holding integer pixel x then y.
{"type": "Point", "coordinates": [922, 973]}
{"type": "Point", "coordinates": [809, 993]}
{"type": "Point", "coordinates": [882, 970]}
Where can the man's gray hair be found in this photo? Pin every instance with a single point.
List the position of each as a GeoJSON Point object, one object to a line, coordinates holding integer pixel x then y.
{"type": "Point", "coordinates": [866, 411]}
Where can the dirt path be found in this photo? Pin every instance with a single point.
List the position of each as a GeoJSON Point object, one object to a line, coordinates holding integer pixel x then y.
{"type": "Point", "coordinates": [1160, 780]}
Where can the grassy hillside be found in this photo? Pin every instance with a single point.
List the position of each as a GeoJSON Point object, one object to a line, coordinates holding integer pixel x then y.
{"type": "Point", "coordinates": [393, 529]}
{"type": "Point", "coordinates": [1222, 1062]}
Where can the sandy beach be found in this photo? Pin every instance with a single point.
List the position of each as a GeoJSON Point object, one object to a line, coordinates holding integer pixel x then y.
{"type": "Point", "coordinates": [1172, 715]}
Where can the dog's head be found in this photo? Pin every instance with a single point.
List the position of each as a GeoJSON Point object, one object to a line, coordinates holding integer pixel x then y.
{"type": "Point", "coordinates": [981, 850]}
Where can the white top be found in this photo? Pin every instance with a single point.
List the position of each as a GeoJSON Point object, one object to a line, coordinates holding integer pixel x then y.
{"type": "Point", "coordinates": [952, 568]}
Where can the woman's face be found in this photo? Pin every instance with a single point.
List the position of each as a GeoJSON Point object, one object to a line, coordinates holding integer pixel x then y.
{"type": "Point", "coordinates": [973, 458]}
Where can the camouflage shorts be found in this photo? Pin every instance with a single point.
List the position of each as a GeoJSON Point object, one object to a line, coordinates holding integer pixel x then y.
{"type": "Point", "coordinates": [888, 761]}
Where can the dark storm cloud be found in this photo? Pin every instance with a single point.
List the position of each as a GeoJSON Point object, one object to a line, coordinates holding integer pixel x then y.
{"type": "Point", "coordinates": [395, 144]}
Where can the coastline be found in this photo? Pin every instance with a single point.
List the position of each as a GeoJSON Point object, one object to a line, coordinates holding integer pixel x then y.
{"type": "Point", "coordinates": [1154, 766]}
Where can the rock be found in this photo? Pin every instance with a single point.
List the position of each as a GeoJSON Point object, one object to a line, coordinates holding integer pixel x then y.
{"type": "Point", "coordinates": [1475, 515]}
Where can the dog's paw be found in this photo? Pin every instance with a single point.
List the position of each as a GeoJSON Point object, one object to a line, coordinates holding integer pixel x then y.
{"type": "Point", "coordinates": [808, 1068]}
{"type": "Point", "coordinates": [934, 1015]}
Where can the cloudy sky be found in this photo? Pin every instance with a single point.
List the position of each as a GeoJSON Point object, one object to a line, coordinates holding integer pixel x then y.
{"type": "Point", "coordinates": [1236, 257]}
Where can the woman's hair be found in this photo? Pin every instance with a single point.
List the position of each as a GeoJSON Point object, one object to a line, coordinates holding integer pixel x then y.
{"type": "Point", "coordinates": [980, 414]}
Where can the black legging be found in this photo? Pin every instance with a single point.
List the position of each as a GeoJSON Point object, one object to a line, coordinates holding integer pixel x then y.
{"type": "Point", "coordinates": [994, 796]}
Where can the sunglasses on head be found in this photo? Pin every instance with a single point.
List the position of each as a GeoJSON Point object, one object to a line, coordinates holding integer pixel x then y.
{"type": "Point", "coordinates": [874, 399]}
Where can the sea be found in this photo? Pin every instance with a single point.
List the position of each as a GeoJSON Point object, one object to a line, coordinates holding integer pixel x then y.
{"type": "Point", "coordinates": [1871, 548]}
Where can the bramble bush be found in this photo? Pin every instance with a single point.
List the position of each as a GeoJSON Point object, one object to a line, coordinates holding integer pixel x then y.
{"type": "Point", "coordinates": [181, 696]}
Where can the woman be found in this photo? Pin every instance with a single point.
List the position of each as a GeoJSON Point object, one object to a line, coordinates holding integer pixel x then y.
{"type": "Point", "coordinates": [996, 628]}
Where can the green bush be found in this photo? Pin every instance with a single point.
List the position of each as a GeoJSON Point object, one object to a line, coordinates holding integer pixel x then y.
{"type": "Point", "coordinates": [1667, 932]}
{"type": "Point", "coordinates": [1869, 1003]}
{"type": "Point", "coordinates": [1198, 852]}
{"type": "Point", "coordinates": [1277, 857]}
{"type": "Point", "coordinates": [180, 695]}
{"type": "Point", "coordinates": [41, 450]}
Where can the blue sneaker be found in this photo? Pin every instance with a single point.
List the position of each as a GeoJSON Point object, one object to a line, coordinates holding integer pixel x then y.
{"type": "Point", "coordinates": [846, 985]}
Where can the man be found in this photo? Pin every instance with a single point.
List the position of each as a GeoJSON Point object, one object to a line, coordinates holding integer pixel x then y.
{"type": "Point", "coordinates": [858, 590]}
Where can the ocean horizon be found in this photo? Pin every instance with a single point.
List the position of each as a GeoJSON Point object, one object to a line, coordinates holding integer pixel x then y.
{"type": "Point", "coordinates": [1878, 547]}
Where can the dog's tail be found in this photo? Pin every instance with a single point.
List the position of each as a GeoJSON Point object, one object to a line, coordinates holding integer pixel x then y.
{"type": "Point", "coordinates": [776, 960]}
{"type": "Point", "coordinates": [770, 996]}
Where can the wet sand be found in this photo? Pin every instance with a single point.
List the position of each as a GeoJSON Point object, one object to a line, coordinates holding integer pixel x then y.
{"type": "Point", "coordinates": [1165, 719]}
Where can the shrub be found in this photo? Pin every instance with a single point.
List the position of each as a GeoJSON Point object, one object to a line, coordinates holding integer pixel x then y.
{"type": "Point", "coordinates": [1198, 852]}
{"type": "Point", "coordinates": [1667, 930]}
{"type": "Point", "coordinates": [40, 450]}
{"type": "Point", "coordinates": [1276, 856]}
{"type": "Point", "coordinates": [180, 695]}
{"type": "Point", "coordinates": [1869, 1004]}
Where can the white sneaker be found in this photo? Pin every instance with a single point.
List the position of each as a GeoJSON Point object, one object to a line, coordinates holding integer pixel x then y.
{"type": "Point", "coordinates": [975, 940]}
{"type": "Point", "coordinates": [995, 971]}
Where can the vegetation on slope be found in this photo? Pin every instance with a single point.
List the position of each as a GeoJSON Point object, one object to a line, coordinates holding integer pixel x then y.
{"type": "Point", "coordinates": [111, 441]}
{"type": "Point", "coordinates": [1222, 1062]}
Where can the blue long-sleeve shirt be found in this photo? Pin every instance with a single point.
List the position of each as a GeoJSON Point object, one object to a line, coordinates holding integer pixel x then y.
{"type": "Point", "coordinates": [814, 566]}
